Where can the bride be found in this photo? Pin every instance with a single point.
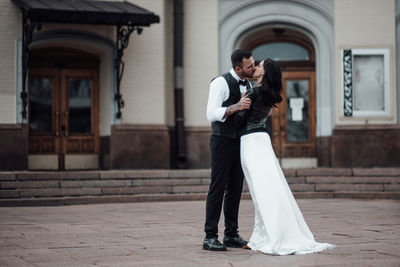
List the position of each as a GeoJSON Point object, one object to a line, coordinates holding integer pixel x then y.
{"type": "Point", "coordinates": [279, 227]}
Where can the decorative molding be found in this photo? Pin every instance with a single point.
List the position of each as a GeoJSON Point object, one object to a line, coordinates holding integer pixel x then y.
{"type": "Point", "coordinates": [347, 83]}
{"type": "Point", "coordinates": [237, 6]}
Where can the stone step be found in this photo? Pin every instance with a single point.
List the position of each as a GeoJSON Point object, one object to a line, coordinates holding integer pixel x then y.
{"type": "Point", "coordinates": [181, 189]}
{"type": "Point", "coordinates": [57, 201]}
{"type": "Point", "coordinates": [196, 173]}
{"type": "Point", "coordinates": [146, 185]}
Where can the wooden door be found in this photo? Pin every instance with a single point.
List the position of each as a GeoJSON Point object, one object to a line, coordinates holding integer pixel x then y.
{"type": "Point", "coordinates": [63, 118]}
{"type": "Point", "coordinates": [293, 123]}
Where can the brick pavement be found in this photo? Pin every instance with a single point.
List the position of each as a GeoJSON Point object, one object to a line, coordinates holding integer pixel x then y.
{"type": "Point", "coordinates": [367, 233]}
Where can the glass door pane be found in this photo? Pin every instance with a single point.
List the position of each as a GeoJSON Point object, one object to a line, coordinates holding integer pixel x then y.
{"type": "Point", "coordinates": [297, 92]}
{"type": "Point", "coordinates": [40, 104]}
{"type": "Point", "coordinates": [79, 92]}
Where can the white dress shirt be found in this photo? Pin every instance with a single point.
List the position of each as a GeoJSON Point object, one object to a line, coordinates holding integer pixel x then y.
{"type": "Point", "coordinates": [219, 93]}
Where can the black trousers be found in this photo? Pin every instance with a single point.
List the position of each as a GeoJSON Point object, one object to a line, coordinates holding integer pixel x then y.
{"type": "Point", "coordinates": [226, 186]}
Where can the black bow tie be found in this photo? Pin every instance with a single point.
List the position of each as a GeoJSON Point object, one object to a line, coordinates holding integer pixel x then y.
{"type": "Point", "coordinates": [244, 82]}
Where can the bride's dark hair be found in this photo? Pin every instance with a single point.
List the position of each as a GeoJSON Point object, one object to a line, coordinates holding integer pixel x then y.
{"type": "Point", "coordinates": [271, 83]}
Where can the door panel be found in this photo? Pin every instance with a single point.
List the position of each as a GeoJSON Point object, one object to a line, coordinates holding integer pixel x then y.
{"type": "Point", "coordinates": [64, 113]}
{"type": "Point", "coordinates": [293, 123]}
{"type": "Point", "coordinates": [42, 117]}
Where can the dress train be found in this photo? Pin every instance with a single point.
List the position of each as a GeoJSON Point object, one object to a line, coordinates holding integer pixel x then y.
{"type": "Point", "coordinates": [279, 228]}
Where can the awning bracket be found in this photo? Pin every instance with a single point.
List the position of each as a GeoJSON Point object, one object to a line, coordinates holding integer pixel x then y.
{"type": "Point", "coordinates": [28, 27]}
{"type": "Point", "coordinates": [123, 34]}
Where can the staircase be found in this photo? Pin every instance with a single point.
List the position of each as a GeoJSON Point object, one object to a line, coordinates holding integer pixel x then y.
{"type": "Point", "coordinates": [87, 187]}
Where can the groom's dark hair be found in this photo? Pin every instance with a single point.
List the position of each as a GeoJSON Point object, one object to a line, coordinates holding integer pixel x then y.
{"type": "Point", "coordinates": [238, 55]}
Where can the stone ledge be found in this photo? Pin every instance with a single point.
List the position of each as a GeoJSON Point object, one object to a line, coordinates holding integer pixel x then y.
{"type": "Point", "coordinates": [324, 171]}
{"type": "Point", "coordinates": [178, 197]}
{"type": "Point", "coordinates": [7, 176]}
{"type": "Point", "coordinates": [55, 175]}
{"type": "Point", "coordinates": [53, 192]}
{"type": "Point", "coordinates": [95, 183]}
{"type": "Point", "coordinates": [29, 184]}
{"type": "Point", "coordinates": [349, 187]}
{"type": "Point", "coordinates": [376, 172]}
{"type": "Point", "coordinates": [352, 180]}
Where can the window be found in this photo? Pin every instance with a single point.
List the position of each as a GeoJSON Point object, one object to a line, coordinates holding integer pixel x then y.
{"type": "Point", "coordinates": [366, 82]}
{"type": "Point", "coordinates": [281, 51]}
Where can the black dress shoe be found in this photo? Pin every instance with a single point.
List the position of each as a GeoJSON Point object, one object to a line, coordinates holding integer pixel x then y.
{"type": "Point", "coordinates": [234, 242]}
{"type": "Point", "coordinates": [213, 244]}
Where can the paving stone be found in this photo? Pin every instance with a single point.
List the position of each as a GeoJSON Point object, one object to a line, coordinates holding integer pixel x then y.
{"type": "Point", "coordinates": [171, 233]}
{"type": "Point", "coordinates": [14, 261]}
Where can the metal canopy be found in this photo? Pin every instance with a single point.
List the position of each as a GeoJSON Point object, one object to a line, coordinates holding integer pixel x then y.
{"type": "Point", "coordinates": [87, 12]}
{"type": "Point", "coordinates": [126, 16]}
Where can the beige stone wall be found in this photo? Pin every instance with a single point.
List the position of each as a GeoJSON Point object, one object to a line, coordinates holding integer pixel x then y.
{"type": "Point", "coordinates": [200, 57]}
{"type": "Point", "coordinates": [10, 30]}
{"type": "Point", "coordinates": [146, 81]}
{"type": "Point", "coordinates": [364, 24]}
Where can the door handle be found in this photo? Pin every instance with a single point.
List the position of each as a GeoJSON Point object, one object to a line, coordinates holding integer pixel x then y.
{"type": "Point", "coordinates": [57, 121]}
{"type": "Point", "coordinates": [282, 130]}
{"type": "Point", "coordinates": [65, 121]}
{"type": "Point", "coordinates": [63, 128]}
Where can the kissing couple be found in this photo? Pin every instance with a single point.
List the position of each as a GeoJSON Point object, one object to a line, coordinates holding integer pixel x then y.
{"type": "Point", "coordinates": [240, 146]}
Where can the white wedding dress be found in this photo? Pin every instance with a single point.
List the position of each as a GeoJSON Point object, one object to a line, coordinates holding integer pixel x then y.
{"type": "Point", "coordinates": [279, 228]}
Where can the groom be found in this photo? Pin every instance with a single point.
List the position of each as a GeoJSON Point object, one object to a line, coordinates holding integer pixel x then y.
{"type": "Point", "coordinates": [227, 96]}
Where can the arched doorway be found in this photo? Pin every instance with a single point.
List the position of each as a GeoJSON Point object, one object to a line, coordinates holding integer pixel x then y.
{"type": "Point", "coordinates": [293, 124]}
{"type": "Point", "coordinates": [63, 109]}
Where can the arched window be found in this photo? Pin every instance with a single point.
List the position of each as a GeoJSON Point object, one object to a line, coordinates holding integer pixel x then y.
{"type": "Point", "coordinates": [281, 51]}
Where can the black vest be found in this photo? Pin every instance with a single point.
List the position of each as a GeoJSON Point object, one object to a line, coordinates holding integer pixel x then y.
{"type": "Point", "coordinates": [228, 127]}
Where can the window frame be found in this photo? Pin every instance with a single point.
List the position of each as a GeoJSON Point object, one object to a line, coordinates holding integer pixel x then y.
{"type": "Point", "coordinates": [346, 100]}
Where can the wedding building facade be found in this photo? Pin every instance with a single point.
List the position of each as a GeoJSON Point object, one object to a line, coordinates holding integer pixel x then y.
{"type": "Point", "coordinates": [93, 100]}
